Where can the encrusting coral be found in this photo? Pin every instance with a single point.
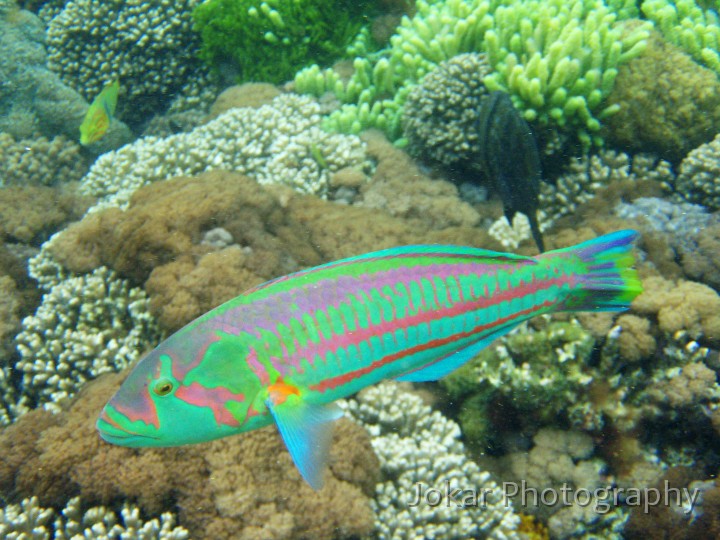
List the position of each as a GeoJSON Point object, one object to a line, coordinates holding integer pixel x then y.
{"type": "Point", "coordinates": [213, 487]}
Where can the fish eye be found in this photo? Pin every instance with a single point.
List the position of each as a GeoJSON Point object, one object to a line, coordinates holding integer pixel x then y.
{"type": "Point", "coordinates": [163, 387]}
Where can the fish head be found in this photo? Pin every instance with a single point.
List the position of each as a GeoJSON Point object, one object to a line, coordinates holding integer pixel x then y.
{"type": "Point", "coordinates": [170, 401]}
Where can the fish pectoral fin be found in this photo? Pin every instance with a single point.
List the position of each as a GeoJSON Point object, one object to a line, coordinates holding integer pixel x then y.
{"type": "Point", "coordinates": [438, 369]}
{"type": "Point", "coordinates": [307, 431]}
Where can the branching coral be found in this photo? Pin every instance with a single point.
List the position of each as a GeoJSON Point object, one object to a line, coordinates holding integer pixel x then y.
{"type": "Point", "coordinates": [418, 446]}
{"type": "Point", "coordinates": [699, 178]}
{"type": "Point", "coordinates": [17, 521]}
{"type": "Point", "coordinates": [40, 161]}
{"type": "Point", "coordinates": [280, 143]}
{"type": "Point", "coordinates": [690, 24]}
{"type": "Point", "coordinates": [84, 327]}
{"type": "Point", "coordinates": [558, 60]}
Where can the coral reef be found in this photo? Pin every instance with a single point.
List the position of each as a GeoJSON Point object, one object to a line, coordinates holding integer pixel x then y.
{"type": "Point", "coordinates": [279, 143]}
{"type": "Point", "coordinates": [33, 99]}
{"type": "Point", "coordinates": [98, 523]}
{"type": "Point", "coordinates": [699, 177]}
{"type": "Point", "coordinates": [400, 188]}
{"type": "Point", "coordinates": [684, 99]}
{"type": "Point", "coordinates": [84, 327]}
{"type": "Point", "coordinates": [270, 40]}
{"type": "Point", "coordinates": [40, 161]}
{"type": "Point", "coordinates": [441, 112]}
{"type": "Point", "coordinates": [583, 177]}
{"type": "Point", "coordinates": [418, 446]}
{"type": "Point", "coordinates": [540, 371]}
{"type": "Point", "coordinates": [243, 95]}
{"type": "Point", "coordinates": [691, 24]}
{"type": "Point", "coordinates": [30, 214]}
{"type": "Point", "coordinates": [140, 49]}
{"type": "Point", "coordinates": [243, 487]}
{"type": "Point", "coordinates": [563, 459]}
{"type": "Point", "coordinates": [558, 60]}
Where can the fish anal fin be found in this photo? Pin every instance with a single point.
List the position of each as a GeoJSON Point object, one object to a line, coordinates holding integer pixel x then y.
{"type": "Point", "coordinates": [306, 429]}
{"type": "Point", "coordinates": [447, 364]}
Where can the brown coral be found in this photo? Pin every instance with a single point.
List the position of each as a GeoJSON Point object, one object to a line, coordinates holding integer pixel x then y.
{"type": "Point", "coordinates": [681, 306]}
{"type": "Point", "coordinates": [243, 95]}
{"type": "Point", "coordinates": [30, 214]}
{"type": "Point", "coordinates": [683, 97]}
{"type": "Point", "coordinates": [274, 231]}
{"type": "Point", "coordinates": [238, 487]}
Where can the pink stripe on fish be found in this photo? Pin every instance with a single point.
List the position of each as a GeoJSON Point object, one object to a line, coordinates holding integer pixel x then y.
{"type": "Point", "coordinates": [212, 398]}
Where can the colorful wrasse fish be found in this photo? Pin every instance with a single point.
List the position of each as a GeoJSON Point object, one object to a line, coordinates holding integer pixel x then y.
{"type": "Point", "coordinates": [98, 116]}
{"type": "Point", "coordinates": [286, 350]}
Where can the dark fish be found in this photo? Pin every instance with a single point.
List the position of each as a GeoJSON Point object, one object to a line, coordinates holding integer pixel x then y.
{"type": "Point", "coordinates": [508, 154]}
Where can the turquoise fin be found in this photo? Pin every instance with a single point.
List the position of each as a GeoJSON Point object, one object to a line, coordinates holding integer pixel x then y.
{"type": "Point", "coordinates": [437, 369]}
{"type": "Point", "coordinates": [307, 432]}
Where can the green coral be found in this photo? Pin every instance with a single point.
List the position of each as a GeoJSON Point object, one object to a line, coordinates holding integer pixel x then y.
{"type": "Point", "coordinates": [269, 41]}
{"type": "Point", "coordinates": [557, 59]}
{"type": "Point", "coordinates": [690, 25]}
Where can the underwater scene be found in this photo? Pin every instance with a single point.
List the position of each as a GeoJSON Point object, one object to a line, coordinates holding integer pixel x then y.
{"type": "Point", "coordinates": [359, 269]}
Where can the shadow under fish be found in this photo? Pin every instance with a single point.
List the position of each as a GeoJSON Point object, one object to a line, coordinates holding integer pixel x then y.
{"type": "Point", "coordinates": [509, 155]}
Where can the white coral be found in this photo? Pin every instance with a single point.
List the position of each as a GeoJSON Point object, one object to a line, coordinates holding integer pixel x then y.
{"type": "Point", "coordinates": [281, 142]}
{"type": "Point", "coordinates": [418, 446]}
{"type": "Point", "coordinates": [85, 326]}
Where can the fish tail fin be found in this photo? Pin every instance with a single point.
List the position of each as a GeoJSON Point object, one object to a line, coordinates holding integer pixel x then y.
{"type": "Point", "coordinates": [606, 275]}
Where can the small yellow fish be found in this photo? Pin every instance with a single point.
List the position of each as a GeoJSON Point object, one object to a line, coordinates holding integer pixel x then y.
{"type": "Point", "coordinates": [97, 118]}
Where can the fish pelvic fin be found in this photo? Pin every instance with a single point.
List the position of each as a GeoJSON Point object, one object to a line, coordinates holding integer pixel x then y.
{"type": "Point", "coordinates": [605, 271]}
{"type": "Point", "coordinates": [306, 429]}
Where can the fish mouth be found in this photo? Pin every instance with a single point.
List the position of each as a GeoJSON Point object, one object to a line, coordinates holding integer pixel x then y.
{"type": "Point", "coordinates": [112, 432]}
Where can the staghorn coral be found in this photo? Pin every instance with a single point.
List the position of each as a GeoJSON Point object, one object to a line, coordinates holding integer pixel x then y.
{"type": "Point", "coordinates": [418, 445]}
{"type": "Point", "coordinates": [140, 49]}
{"type": "Point", "coordinates": [278, 143]}
{"type": "Point", "coordinates": [699, 177]}
{"type": "Point", "coordinates": [84, 327]}
{"type": "Point", "coordinates": [441, 112]}
{"type": "Point", "coordinates": [40, 161]}
{"type": "Point", "coordinates": [213, 486]}
{"type": "Point", "coordinates": [98, 523]}
{"type": "Point", "coordinates": [684, 99]}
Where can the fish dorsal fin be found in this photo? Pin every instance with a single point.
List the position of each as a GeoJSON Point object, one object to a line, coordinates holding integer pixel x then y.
{"type": "Point", "coordinates": [438, 369]}
{"type": "Point", "coordinates": [306, 429]}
